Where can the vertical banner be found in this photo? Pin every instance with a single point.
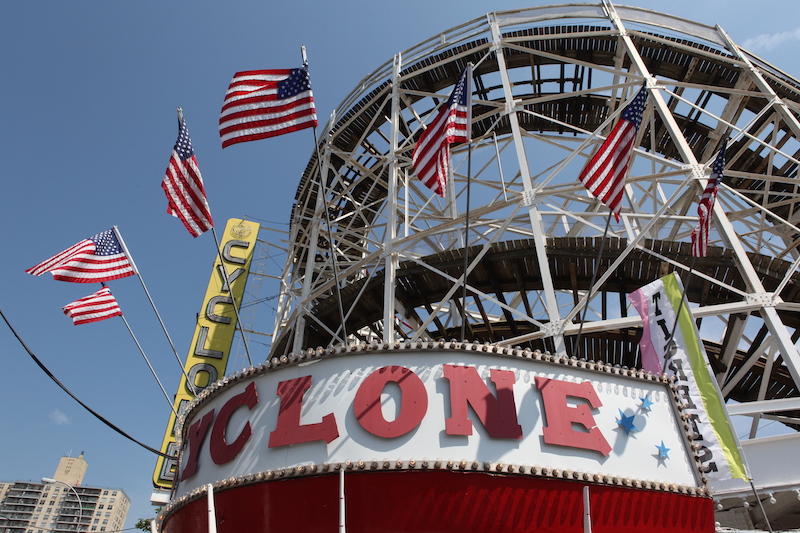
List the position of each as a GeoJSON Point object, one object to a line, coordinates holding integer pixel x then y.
{"type": "Point", "coordinates": [213, 336]}
{"type": "Point", "coordinates": [658, 304]}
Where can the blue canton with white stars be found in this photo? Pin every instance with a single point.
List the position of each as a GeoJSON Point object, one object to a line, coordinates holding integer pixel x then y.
{"type": "Point", "coordinates": [635, 109]}
{"type": "Point", "coordinates": [459, 96]}
{"type": "Point", "coordinates": [297, 82]}
{"type": "Point", "coordinates": [719, 167]}
{"type": "Point", "coordinates": [183, 146]}
{"type": "Point", "coordinates": [106, 243]}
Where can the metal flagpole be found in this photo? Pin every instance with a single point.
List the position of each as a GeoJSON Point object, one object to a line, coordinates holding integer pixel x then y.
{"type": "Point", "coordinates": [468, 90]}
{"type": "Point", "coordinates": [212, 513]}
{"type": "Point", "coordinates": [466, 247]}
{"type": "Point", "coordinates": [324, 194]}
{"type": "Point", "coordinates": [671, 341]}
{"type": "Point", "coordinates": [587, 515]}
{"type": "Point", "coordinates": [152, 303]}
{"type": "Point", "coordinates": [342, 527]}
{"type": "Point", "coordinates": [591, 284]}
{"type": "Point", "coordinates": [225, 281]}
{"type": "Point", "coordinates": [667, 357]}
{"type": "Point", "coordinates": [169, 401]}
{"type": "Point", "coordinates": [323, 190]}
{"type": "Point", "coordinates": [233, 298]}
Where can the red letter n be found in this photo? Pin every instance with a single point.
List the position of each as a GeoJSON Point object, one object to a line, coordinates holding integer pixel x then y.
{"type": "Point", "coordinates": [498, 415]}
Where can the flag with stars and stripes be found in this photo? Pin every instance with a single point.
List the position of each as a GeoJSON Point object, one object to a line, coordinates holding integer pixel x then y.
{"type": "Point", "coordinates": [705, 209]}
{"type": "Point", "coordinates": [183, 185]}
{"type": "Point", "coordinates": [266, 103]}
{"type": "Point", "coordinates": [96, 259]}
{"type": "Point", "coordinates": [97, 306]}
{"type": "Point", "coordinates": [604, 175]}
{"type": "Point", "coordinates": [431, 158]}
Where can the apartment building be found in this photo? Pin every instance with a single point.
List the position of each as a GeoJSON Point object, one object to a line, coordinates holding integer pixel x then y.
{"type": "Point", "coordinates": [61, 504]}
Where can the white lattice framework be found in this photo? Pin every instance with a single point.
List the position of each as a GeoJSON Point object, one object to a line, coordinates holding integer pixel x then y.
{"type": "Point", "coordinates": [373, 246]}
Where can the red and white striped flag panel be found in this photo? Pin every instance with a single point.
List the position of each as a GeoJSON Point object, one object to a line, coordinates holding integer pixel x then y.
{"type": "Point", "coordinates": [183, 185]}
{"type": "Point", "coordinates": [96, 259]}
{"type": "Point", "coordinates": [604, 174]}
{"type": "Point", "coordinates": [266, 103]}
{"type": "Point", "coordinates": [97, 306]}
{"type": "Point", "coordinates": [705, 209]}
{"type": "Point", "coordinates": [431, 158]}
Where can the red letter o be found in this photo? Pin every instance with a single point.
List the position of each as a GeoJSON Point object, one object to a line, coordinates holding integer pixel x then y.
{"type": "Point", "coordinates": [413, 403]}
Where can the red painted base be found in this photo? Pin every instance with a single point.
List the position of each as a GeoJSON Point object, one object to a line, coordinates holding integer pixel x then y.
{"type": "Point", "coordinates": [442, 502]}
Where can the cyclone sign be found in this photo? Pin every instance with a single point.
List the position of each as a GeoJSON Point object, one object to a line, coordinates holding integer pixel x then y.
{"type": "Point", "coordinates": [439, 406]}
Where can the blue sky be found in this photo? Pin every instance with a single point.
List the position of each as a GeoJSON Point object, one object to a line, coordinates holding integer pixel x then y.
{"type": "Point", "coordinates": [87, 108]}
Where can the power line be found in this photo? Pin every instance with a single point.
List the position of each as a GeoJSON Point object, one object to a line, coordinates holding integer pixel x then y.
{"type": "Point", "coordinates": [57, 382]}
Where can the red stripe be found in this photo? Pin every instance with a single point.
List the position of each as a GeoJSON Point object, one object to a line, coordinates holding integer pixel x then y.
{"type": "Point", "coordinates": [85, 246]}
{"type": "Point", "coordinates": [267, 134]}
{"type": "Point", "coordinates": [266, 109]}
{"type": "Point", "coordinates": [266, 123]}
{"type": "Point", "coordinates": [249, 100]}
{"type": "Point", "coordinates": [187, 195]}
{"type": "Point", "coordinates": [90, 278]}
{"type": "Point", "coordinates": [255, 73]}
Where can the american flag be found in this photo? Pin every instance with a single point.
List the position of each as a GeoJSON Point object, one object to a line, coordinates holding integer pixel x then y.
{"type": "Point", "coordinates": [431, 158]}
{"type": "Point", "coordinates": [97, 306]}
{"type": "Point", "coordinates": [266, 103]}
{"type": "Point", "coordinates": [604, 175]}
{"type": "Point", "coordinates": [96, 259]}
{"type": "Point", "coordinates": [706, 206]}
{"type": "Point", "coordinates": [183, 185]}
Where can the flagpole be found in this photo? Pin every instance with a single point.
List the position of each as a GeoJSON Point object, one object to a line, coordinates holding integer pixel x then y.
{"type": "Point", "coordinates": [667, 357]}
{"type": "Point", "coordinates": [700, 237]}
{"type": "Point", "coordinates": [152, 303]}
{"type": "Point", "coordinates": [169, 401]}
{"type": "Point", "coordinates": [576, 346]}
{"type": "Point", "coordinates": [233, 297]}
{"type": "Point", "coordinates": [334, 264]}
{"type": "Point", "coordinates": [468, 90]}
{"type": "Point", "coordinates": [324, 194]}
{"type": "Point", "coordinates": [671, 341]}
{"type": "Point", "coordinates": [466, 248]}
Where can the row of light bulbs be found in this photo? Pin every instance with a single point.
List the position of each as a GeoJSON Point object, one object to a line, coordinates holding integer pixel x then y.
{"type": "Point", "coordinates": [746, 503]}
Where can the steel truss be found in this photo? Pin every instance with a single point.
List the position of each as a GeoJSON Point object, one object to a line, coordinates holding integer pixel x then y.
{"type": "Point", "coordinates": [375, 256]}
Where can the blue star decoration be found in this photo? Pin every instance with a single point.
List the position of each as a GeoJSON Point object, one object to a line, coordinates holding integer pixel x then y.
{"type": "Point", "coordinates": [647, 403]}
{"type": "Point", "coordinates": [626, 423]}
{"type": "Point", "coordinates": [663, 451]}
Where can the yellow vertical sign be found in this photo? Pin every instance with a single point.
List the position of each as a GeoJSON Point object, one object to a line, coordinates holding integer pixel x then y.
{"type": "Point", "coordinates": [213, 336]}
